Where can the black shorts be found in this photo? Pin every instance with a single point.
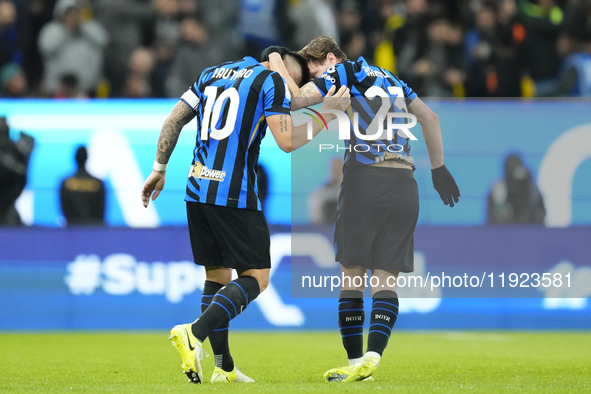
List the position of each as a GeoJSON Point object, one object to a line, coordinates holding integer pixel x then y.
{"type": "Point", "coordinates": [376, 219]}
{"type": "Point", "coordinates": [229, 237]}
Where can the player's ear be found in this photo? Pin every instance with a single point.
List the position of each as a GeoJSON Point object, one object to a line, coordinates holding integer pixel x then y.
{"type": "Point", "coordinates": [296, 78]}
{"type": "Point", "coordinates": [331, 58]}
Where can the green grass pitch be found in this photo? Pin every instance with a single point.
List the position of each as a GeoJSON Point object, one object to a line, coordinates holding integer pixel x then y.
{"type": "Point", "coordinates": [423, 362]}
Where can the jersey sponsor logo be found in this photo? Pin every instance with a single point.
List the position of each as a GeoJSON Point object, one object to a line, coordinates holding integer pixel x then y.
{"type": "Point", "coordinates": [202, 172]}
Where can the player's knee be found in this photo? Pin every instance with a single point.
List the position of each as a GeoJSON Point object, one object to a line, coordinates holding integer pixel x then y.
{"type": "Point", "coordinates": [387, 280]}
{"type": "Point", "coordinates": [263, 280]}
{"type": "Point", "coordinates": [354, 283]}
{"type": "Point", "coordinates": [218, 274]}
{"type": "Point", "coordinates": [263, 283]}
{"type": "Point", "coordinates": [353, 278]}
{"type": "Point", "coordinates": [261, 276]}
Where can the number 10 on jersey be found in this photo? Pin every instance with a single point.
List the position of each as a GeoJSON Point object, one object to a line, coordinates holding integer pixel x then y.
{"type": "Point", "coordinates": [217, 108]}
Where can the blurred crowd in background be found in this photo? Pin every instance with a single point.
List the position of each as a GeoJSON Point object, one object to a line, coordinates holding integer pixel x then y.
{"type": "Point", "coordinates": [157, 48]}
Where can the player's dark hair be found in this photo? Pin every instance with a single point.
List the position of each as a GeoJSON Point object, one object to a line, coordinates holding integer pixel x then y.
{"type": "Point", "coordinates": [319, 47]}
{"type": "Point", "coordinates": [303, 65]}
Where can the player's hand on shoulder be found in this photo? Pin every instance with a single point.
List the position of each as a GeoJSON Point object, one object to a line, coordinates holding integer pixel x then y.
{"type": "Point", "coordinates": [337, 99]}
{"type": "Point", "coordinates": [445, 185]}
{"type": "Point", "coordinates": [342, 92]}
{"type": "Point", "coordinates": [153, 186]}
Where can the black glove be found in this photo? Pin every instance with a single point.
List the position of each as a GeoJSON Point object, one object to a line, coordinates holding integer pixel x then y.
{"type": "Point", "coordinates": [445, 185]}
{"type": "Point", "coordinates": [281, 50]}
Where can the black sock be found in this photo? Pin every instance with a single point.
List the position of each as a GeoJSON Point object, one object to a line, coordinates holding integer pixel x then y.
{"type": "Point", "coordinates": [219, 337]}
{"type": "Point", "coordinates": [228, 303]}
{"type": "Point", "coordinates": [384, 311]}
{"type": "Point", "coordinates": [351, 318]}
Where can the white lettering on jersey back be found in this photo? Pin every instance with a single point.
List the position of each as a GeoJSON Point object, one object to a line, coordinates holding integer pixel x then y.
{"type": "Point", "coordinates": [373, 73]}
{"type": "Point", "coordinates": [225, 73]}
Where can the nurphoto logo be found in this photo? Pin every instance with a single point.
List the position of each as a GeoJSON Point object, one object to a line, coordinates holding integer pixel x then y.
{"type": "Point", "coordinates": [383, 126]}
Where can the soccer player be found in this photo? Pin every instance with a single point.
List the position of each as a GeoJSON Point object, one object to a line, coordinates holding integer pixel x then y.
{"type": "Point", "coordinates": [233, 102]}
{"type": "Point", "coordinates": [378, 203]}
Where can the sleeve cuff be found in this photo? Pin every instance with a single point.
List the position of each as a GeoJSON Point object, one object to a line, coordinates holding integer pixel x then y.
{"type": "Point", "coordinates": [320, 89]}
{"type": "Point", "coordinates": [278, 111]}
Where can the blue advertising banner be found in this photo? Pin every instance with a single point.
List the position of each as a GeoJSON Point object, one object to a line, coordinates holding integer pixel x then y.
{"type": "Point", "coordinates": [121, 137]}
{"type": "Point", "coordinates": [459, 262]}
{"type": "Point", "coordinates": [553, 138]}
{"type": "Point", "coordinates": [121, 278]}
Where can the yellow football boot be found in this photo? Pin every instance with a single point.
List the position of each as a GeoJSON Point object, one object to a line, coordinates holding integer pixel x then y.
{"type": "Point", "coordinates": [191, 351]}
{"type": "Point", "coordinates": [236, 376]}
{"type": "Point", "coordinates": [363, 370]}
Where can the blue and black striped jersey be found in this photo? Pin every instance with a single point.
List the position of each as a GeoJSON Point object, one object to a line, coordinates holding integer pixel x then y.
{"type": "Point", "coordinates": [366, 83]}
{"type": "Point", "coordinates": [231, 102]}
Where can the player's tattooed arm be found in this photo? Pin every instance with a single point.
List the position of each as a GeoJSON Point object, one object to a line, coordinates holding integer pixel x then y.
{"type": "Point", "coordinates": [308, 95]}
{"type": "Point", "coordinates": [180, 115]}
{"type": "Point", "coordinates": [283, 126]}
{"type": "Point", "coordinates": [280, 126]}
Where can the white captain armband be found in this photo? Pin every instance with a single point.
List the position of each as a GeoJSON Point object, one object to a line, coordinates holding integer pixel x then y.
{"type": "Point", "coordinates": [191, 99]}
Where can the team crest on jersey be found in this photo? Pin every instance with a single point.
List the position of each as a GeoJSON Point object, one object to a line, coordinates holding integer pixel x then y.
{"type": "Point", "coordinates": [202, 172]}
